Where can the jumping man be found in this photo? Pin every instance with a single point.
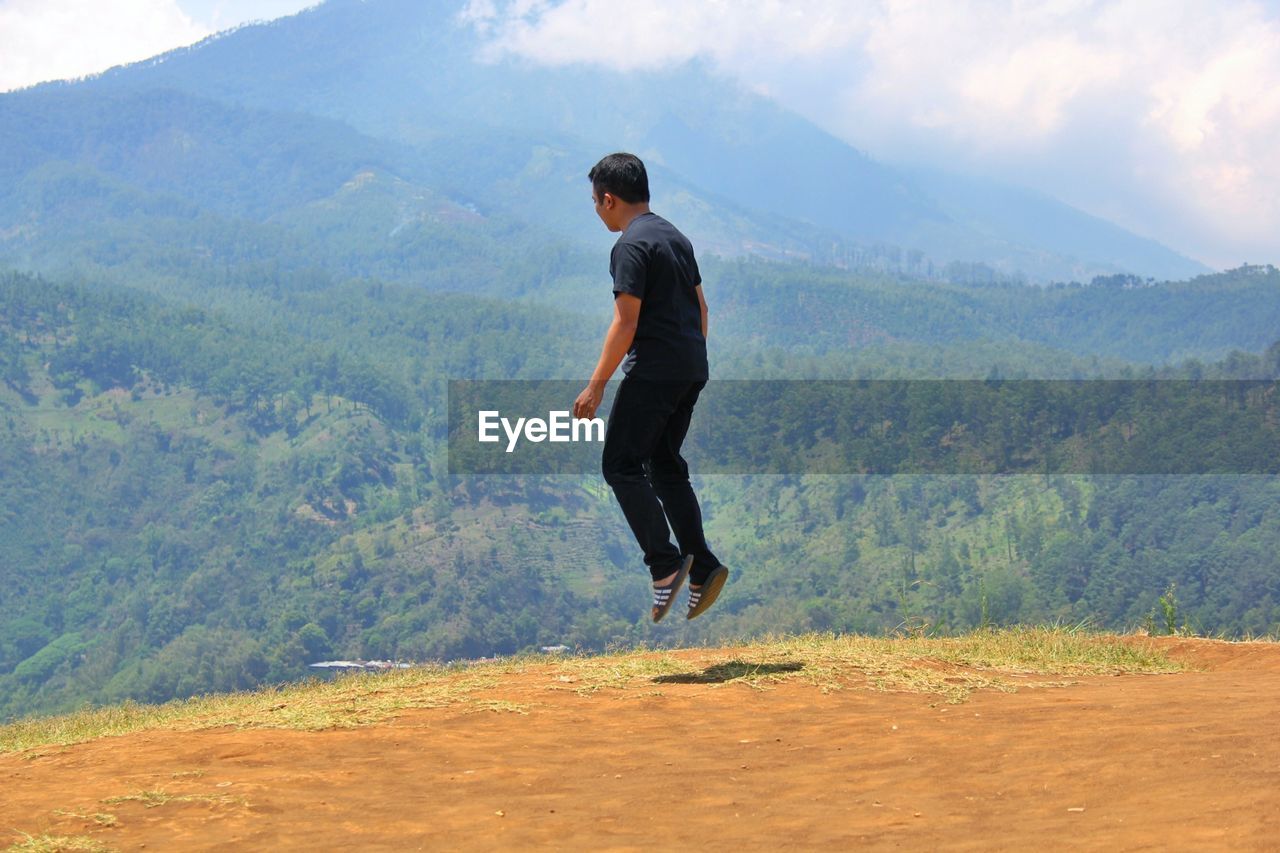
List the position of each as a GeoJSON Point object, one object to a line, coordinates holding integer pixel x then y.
{"type": "Point", "coordinates": [660, 327]}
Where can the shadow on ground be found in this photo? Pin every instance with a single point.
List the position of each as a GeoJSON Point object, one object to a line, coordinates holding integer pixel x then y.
{"type": "Point", "coordinates": [728, 671]}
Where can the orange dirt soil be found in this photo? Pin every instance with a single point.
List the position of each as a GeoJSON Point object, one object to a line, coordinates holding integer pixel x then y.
{"type": "Point", "coordinates": [1133, 762]}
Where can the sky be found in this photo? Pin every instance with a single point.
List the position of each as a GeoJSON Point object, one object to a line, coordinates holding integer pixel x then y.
{"type": "Point", "coordinates": [1160, 115]}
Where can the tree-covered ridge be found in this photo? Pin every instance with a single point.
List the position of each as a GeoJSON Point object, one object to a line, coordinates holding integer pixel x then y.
{"type": "Point", "coordinates": [366, 231]}
{"type": "Point", "coordinates": [817, 309]}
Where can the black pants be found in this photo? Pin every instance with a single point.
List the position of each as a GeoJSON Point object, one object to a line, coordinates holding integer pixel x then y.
{"type": "Point", "coordinates": [641, 461]}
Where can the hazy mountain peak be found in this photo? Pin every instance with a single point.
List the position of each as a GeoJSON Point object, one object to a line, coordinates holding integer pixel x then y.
{"type": "Point", "coordinates": [417, 73]}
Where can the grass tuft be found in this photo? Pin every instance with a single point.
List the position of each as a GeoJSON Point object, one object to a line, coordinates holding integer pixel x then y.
{"type": "Point", "coordinates": [58, 844]}
{"type": "Point", "coordinates": [158, 797]}
{"type": "Point", "coordinates": [100, 818]}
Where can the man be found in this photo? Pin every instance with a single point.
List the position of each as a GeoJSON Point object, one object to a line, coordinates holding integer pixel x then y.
{"type": "Point", "coordinates": [660, 326]}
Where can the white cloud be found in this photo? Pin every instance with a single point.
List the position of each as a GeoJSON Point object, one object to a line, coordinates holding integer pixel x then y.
{"type": "Point", "coordinates": [1162, 115]}
{"type": "Point", "coordinates": [218, 15]}
{"type": "Point", "coordinates": [55, 39]}
{"type": "Point", "coordinates": [660, 32]}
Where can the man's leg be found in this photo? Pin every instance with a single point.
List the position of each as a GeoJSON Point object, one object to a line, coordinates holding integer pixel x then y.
{"type": "Point", "coordinates": [669, 474]}
{"type": "Point", "coordinates": [636, 423]}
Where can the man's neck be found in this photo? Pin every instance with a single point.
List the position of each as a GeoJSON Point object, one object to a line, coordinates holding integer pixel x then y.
{"type": "Point", "coordinates": [631, 211]}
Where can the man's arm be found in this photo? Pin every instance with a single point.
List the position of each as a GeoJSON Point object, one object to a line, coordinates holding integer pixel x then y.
{"type": "Point", "coordinates": [622, 331]}
{"type": "Point", "coordinates": [702, 307]}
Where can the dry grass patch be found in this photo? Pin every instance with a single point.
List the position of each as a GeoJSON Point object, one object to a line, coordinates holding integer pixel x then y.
{"type": "Point", "coordinates": [953, 667]}
{"type": "Point", "coordinates": [949, 667]}
{"type": "Point", "coordinates": [350, 701]}
{"type": "Point", "coordinates": [100, 818]}
{"type": "Point", "coordinates": [158, 797]}
{"type": "Point", "coordinates": [587, 674]}
{"type": "Point", "coordinates": [58, 844]}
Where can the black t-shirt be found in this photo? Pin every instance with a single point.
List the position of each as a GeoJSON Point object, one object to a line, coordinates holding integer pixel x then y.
{"type": "Point", "coordinates": [654, 261]}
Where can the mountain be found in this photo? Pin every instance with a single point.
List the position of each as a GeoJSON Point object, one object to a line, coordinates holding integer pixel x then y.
{"type": "Point", "coordinates": [415, 73]}
{"type": "Point", "coordinates": [262, 158]}
{"type": "Point", "coordinates": [197, 199]}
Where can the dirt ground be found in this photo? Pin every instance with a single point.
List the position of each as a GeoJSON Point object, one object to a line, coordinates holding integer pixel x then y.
{"type": "Point", "coordinates": [1136, 762]}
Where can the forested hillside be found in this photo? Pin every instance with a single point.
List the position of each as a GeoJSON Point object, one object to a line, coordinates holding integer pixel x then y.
{"type": "Point", "coordinates": [194, 500]}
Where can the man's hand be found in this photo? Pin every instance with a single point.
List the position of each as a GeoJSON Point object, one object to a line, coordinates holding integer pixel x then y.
{"type": "Point", "coordinates": [588, 401]}
{"type": "Point", "coordinates": [626, 313]}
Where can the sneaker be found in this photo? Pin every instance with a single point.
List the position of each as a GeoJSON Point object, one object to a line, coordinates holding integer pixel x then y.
{"type": "Point", "coordinates": [704, 596]}
{"type": "Point", "coordinates": [664, 596]}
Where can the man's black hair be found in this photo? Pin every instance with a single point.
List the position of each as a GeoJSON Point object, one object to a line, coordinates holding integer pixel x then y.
{"type": "Point", "coordinates": [622, 176]}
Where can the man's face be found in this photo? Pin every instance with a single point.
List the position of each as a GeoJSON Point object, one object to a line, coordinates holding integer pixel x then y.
{"type": "Point", "coordinates": [607, 209]}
